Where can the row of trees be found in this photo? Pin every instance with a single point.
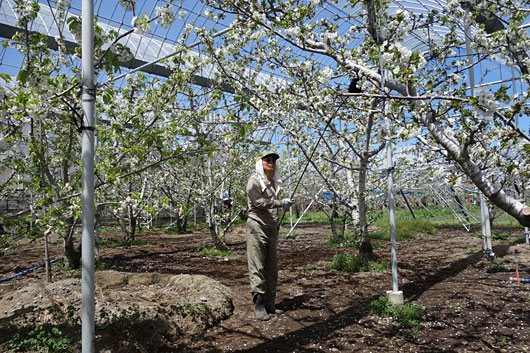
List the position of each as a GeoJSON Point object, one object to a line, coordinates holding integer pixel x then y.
{"type": "Point", "coordinates": [165, 144]}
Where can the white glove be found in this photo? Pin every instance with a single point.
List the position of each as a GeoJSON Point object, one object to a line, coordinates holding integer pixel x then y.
{"type": "Point", "coordinates": [286, 203]}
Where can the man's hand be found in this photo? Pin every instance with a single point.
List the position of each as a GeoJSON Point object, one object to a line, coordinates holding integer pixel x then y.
{"type": "Point", "coordinates": [286, 203]}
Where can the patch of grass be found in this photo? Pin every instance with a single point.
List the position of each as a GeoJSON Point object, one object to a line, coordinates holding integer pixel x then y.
{"type": "Point", "coordinates": [173, 230]}
{"type": "Point", "coordinates": [495, 267]}
{"type": "Point", "coordinates": [41, 339]}
{"type": "Point", "coordinates": [439, 216]}
{"type": "Point", "coordinates": [374, 266]}
{"type": "Point", "coordinates": [119, 243]}
{"type": "Point", "coordinates": [215, 252]}
{"type": "Point", "coordinates": [353, 263]}
{"type": "Point", "coordinates": [319, 217]}
{"type": "Point", "coordinates": [499, 236]}
{"type": "Point", "coordinates": [378, 245]}
{"type": "Point", "coordinates": [348, 263]}
{"type": "Point", "coordinates": [314, 217]}
{"type": "Point", "coordinates": [405, 229]}
{"type": "Point", "coordinates": [407, 315]}
{"type": "Point", "coordinates": [434, 212]}
{"type": "Point", "coordinates": [349, 241]}
{"type": "Point", "coordinates": [99, 264]}
{"type": "Point", "coordinates": [379, 235]}
{"type": "Point", "coordinates": [494, 235]}
{"type": "Point", "coordinates": [6, 242]}
{"type": "Point", "coordinates": [33, 337]}
{"type": "Point", "coordinates": [505, 342]}
{"type": "Point", "coordinates": [506, 221]}
{"type": "Point", "coordinates": [193, 309]}
{"type": "Point", "coordinates": [62, 267]}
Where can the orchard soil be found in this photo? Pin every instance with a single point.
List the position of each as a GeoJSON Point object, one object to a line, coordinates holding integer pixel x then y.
{"type": "Point", "coordinates": [470, 304]}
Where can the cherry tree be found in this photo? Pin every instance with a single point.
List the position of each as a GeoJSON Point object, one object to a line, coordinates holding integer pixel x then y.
{"type": "Point", "coordinates": [428, 84]}
{"type": "Point", "coordinates": [39, 135]}
{"type": "Point", "coordinates": [40, 131]}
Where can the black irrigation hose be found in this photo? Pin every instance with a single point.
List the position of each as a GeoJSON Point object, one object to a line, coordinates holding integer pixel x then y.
{"type": "Point", "coordinates": [29, 270]}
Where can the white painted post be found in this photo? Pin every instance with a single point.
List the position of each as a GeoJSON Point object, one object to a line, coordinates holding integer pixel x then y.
{"type": "Point", "coordinates": [395, 296]}
{"type": "Point", "coordinates": [486, 228]}
{"type": "Point", "coordinates": [87, 195]}
{"type": "Point", "coordinates": [484, 211]}
{"type": "Point", "coordinates": [514, 89]}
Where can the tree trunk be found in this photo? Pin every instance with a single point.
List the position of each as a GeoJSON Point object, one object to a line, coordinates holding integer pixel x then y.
{"type": "Point", "coordinates": [366, 251]}
{"type": "Point", "coordinates": [364, 239]}
{"type": "Point", "coordinates": [71, 254]}
{"type": "Point", "coordinates": [214, 230]}
{"type": "Point", "coordinates": [124, 228]}
{"type": "Point", "coordinates": [133, 222]}
{"type": "Point", "coordinates": [337, 230]}
{"type": "Point", "coordinates": [179, 226]}
{"type": "Point", "coordinates": [461, 205]}
{"type": "Point", "coordinates": [182, 221]}
{"type": "Point", "coordinates": [217, 240]}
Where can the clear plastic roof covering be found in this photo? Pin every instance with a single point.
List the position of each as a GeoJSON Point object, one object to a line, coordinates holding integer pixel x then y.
{"type": "Point", "coordinates": [145, 47]}
{"type": "Point", "coordinates": [149, 49]}
{"type": "Point", "coordinates": [163, 42]}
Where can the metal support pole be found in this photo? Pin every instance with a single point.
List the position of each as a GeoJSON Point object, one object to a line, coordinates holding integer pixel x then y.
{"type": "Point", "coordinates": [289, 166]}
{"type": "Point", "coordinates": [486, 229]}
{"type": "Point", "coordinates": [514, 89]}
{"type": "Point", "coordinates": [47, 264]}
{"type": "Point", "coordinates": [395, 296]}
{"type": "Point", "coordinates": [87, 195]}
{"type": "Point", "coordinates": [407, 203]}
{"type": "Point", "coordinates": [391, 207]}
{"type": "Point", "coordinates": [484, 211]}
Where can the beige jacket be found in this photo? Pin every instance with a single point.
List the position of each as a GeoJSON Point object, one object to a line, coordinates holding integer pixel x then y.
{"type": "Point", "coordinates": [263, 202]}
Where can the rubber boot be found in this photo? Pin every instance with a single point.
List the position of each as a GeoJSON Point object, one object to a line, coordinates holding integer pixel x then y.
{"type": "Point", "coordinates": [270, 307]}
{"type": "Point", "coordinates": [274, 311]}
{"type": "Point", "coordinates": [259, 306]}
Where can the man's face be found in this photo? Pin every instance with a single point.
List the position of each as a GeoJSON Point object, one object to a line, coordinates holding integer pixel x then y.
{"type": "Point", "coordinates": [269, 164]}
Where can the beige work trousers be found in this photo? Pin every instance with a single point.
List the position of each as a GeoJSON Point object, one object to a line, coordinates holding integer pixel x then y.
{"type": "Point", "coordinates": [262, 261]}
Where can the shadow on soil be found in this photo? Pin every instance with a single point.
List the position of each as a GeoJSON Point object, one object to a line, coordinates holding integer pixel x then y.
{"type": "Point", "coordinates": [414, 290]}
{"type": "Point", "coordinates": [324, 330]}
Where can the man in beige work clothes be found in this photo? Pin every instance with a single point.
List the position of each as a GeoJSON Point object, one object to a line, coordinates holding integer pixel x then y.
{"type": "Point", "coordinates": [263, 188]}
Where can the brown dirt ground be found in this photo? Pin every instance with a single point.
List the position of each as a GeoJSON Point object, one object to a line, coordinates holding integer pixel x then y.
{"type": "Point", "coordinates": [470, 304]}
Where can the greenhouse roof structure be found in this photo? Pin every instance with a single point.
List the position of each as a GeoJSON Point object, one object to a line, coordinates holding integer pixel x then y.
{"type": "Point", "coordinates": [150, 49]}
